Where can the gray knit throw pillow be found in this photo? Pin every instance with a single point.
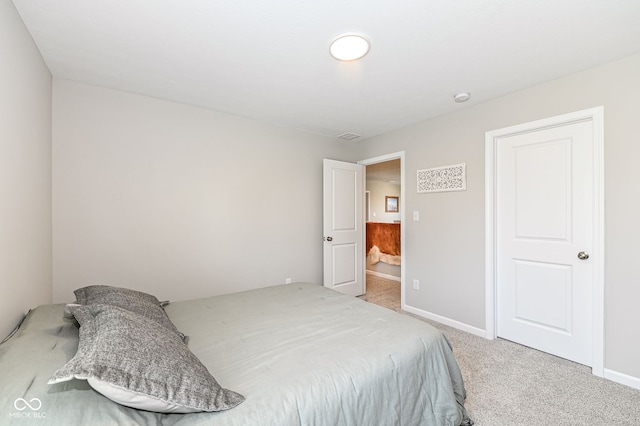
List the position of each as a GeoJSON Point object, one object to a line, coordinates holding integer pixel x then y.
{"type": "Point", "coordinates": [141, 303]}
{"type": "Point", "coordinates": [139, 363]}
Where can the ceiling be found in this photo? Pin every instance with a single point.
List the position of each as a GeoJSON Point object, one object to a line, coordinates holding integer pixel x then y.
{"type": "Point", "coordinates": [387, 171]}
{"type": "Point", "coordinates": [269, 60]}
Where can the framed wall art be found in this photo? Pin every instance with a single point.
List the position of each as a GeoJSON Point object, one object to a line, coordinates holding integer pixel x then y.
{"type": "Point", "coordinates": [441, 179]}
{"type": "Point", "coordinates": [391, 204]}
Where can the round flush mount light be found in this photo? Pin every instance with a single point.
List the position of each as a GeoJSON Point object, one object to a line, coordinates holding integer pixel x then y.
{"type": "Point", "coordinates": [349, 47]}
{"type": "Point", "coordinates": [462, 97]}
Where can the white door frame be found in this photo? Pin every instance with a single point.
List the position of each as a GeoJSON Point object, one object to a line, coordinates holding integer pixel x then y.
{"type": "Point", "coordinates": [403, 265]}
{"type": "Point", "coordinates": [596, 116]}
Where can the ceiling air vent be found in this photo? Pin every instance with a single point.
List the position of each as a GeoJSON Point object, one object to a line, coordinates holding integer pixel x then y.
{"type": "Point", "coordinates": [348, 136]}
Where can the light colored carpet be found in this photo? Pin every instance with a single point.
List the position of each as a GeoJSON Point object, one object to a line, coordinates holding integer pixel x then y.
{"type": "Point", "coordinates": [509, 384]}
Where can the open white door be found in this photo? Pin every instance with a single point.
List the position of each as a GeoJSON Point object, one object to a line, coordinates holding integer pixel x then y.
{"type": "Point", "coordinates": [343, 192]}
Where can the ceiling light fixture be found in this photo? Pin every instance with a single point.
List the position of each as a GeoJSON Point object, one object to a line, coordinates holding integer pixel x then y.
{"type": "Point", "coordinates": [462, 97]}
{"type": "Point", "coordinates": [349, 47]}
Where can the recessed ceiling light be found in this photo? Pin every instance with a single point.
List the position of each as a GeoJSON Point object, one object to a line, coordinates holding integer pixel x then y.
{"type": "Point", "coordinates": [462, 97]}
{"type": "Point", "coordinates": [349, 47]}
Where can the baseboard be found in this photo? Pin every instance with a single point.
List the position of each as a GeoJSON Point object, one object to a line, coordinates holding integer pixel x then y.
{"type": "Point", "coordinates": [623, 379]}
{"type": "Point", "coordinates": [614, 376]}
{"type": "Point", "coordinates": [381, 275]}
{"type": "Point", "coordinates": [446, 321]}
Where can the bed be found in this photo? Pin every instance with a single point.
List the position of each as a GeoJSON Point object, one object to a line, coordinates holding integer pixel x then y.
{"type": "Point", "coordinates": [385, 236]}
{"type": "Point", "coordinates": [383, 245]}
{"type": "Point", "coordinates": [299, 354]}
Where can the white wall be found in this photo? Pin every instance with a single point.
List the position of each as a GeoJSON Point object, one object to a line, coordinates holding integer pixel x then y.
{"type": "Point", "coordinates": [445, 250]}
{"type": "Point", "coordinates": [25, 172]}
{"type": "Point", "coordinates": [378, 191]}
{"type": "Point", "coordinates": [180, 201]}
{"type": "Point", "coordinates": [186, 202]}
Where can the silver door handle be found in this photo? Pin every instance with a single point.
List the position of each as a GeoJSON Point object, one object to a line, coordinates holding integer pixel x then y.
{"type": "Point", "coordinates": [583, 255]}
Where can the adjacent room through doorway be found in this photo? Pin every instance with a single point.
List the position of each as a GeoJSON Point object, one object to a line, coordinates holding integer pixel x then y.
{"type": "Point", "coordinates": [383, 216]}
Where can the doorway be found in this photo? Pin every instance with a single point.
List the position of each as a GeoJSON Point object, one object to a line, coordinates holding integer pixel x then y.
{"type": "Point", "coordinates": [386, 192]}
{"type": "Point", "coordinates": [544, 232]}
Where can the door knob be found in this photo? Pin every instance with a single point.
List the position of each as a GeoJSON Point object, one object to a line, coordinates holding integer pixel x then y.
{"type": "Point", "coordinates": [329, 238]}
{"type": "Point", "coordinates": [583, 255]}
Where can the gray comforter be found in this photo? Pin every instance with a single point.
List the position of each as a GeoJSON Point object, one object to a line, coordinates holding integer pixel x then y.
{"type": "Point", "coordinates": [299, 353]}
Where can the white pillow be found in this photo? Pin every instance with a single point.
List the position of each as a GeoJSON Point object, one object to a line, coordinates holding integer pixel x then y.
{"type": "Point", "coordinates": [135, 399]}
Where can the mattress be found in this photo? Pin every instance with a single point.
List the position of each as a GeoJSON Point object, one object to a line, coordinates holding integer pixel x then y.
{"type": "Point", "coordinates": [301, 354]}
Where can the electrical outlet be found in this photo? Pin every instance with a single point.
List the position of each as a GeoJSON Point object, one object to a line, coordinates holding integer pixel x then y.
{"type": "Point", "coordinates": [288, 281]}
{"type": "Point", "coordinates": [416, 285]}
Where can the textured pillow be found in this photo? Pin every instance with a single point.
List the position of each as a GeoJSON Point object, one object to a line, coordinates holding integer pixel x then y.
{"type": "Point", "coordinates": [135, 301]}
{"type": "Point", "coordinates": [141, 364]}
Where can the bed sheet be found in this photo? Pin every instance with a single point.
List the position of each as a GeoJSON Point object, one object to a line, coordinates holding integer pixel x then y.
{"type": "Point", "coordinates": [301, 355]}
